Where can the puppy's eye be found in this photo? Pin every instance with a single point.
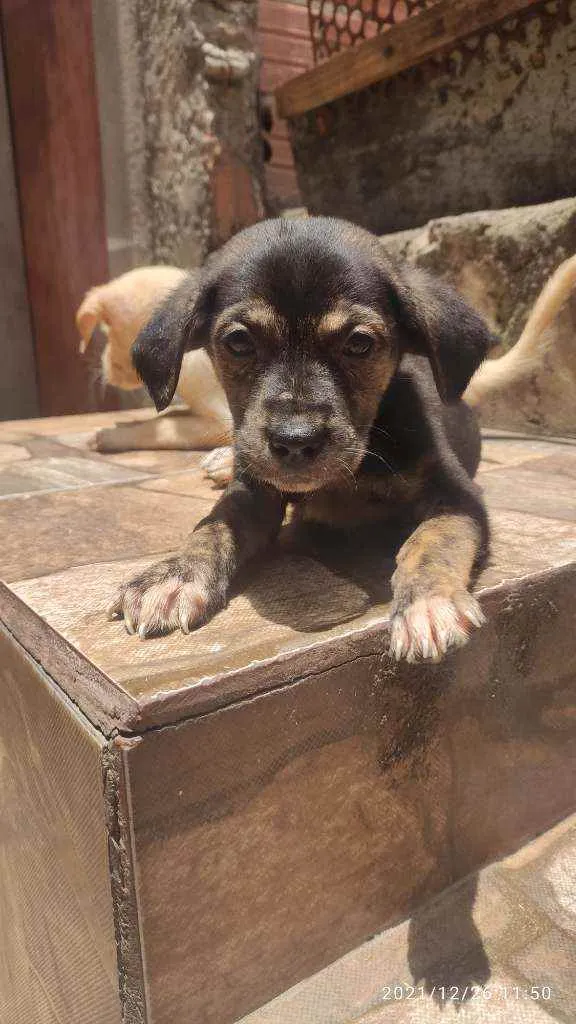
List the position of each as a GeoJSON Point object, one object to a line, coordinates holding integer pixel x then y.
{"type": "Point", "coordinates": [239, 343]}
{"type": "Point", "coordinates": [358, 343]}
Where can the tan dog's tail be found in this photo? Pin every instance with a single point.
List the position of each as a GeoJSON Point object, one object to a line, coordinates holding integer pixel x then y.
{"type": "Point", "coordinates": [496, 374]}
{"type": "Point", "coordinates": [89, 315]}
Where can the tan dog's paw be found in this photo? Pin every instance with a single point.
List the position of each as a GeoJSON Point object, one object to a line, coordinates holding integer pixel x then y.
{"type": "Point", "coordinates": [109, 439]}
{"type": "Point", "coordinates": [219, 465]}
{"type": "Point", "coordinates": [176, 594]}
{"type": "Point", "coordinates": [430, 626]}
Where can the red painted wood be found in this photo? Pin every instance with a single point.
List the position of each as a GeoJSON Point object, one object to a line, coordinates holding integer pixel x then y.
{"type": "Point", "coordinates": [52, 94]}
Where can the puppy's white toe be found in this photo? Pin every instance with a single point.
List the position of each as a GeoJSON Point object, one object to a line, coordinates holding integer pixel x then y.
{"type": "Point", "coordinates": [159, 608]}
{"type": "Point", "coordinates": [430, 626]}
{"type": "Point", "coordinates": [192, 605]}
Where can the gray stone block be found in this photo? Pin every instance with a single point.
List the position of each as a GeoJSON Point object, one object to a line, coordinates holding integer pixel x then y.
{"type": "Point", "coordinates": [500, 260]}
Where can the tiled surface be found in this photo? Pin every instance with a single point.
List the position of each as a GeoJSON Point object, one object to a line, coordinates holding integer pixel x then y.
{"type": "Point", "coordinates": [499, 946]}
{"type": "Point", "coordinates": [76, 523]}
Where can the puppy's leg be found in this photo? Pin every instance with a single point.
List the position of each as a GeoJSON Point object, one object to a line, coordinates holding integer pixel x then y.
{"type": "Point", "coordinates": [187, 590]}
{"type": "Point", "coordinates": [433, 609]}
{"type": "Point", "coordinates": [180, 431]}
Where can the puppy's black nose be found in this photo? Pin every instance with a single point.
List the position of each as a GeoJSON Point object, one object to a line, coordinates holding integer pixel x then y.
{"type": "Point", "coordinates": [296, 445]}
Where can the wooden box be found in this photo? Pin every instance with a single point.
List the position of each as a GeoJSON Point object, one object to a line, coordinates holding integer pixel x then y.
{"type": "Point", "coordinates": [190, 825]}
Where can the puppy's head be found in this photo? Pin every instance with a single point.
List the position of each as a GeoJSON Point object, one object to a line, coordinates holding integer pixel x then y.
{"type": "Point", "coordinates": [306, 322]}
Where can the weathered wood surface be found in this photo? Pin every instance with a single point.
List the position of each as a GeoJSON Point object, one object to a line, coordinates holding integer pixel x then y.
{"type": "Point", "coordinates": [57, 945]}
{"type": "Point", "coordinates": [71, 537]}
{"type": "Point", "coordinates": [402, 46]}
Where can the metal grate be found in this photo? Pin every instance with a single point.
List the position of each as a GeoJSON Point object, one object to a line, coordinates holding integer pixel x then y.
{"type": "Point", "coordinates": [336, 24]}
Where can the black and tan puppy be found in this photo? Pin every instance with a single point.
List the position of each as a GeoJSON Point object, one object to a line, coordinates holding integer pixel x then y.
{"type": "Point", "coordinates": [344, 373]}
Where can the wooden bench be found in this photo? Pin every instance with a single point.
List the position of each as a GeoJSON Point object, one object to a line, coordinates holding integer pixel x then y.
{"type": "Point", "coordinates": [191, 825]}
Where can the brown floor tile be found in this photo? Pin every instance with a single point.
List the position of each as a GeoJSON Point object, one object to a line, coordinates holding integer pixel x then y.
{"type": "Point", "coordinates": [523, 544]}
{"type": "Point", "coordinates": [549, 880]}
{"type": "Point", "coordinates": [191, 481]}
{"type": "Point", "coordinates": [57, 474]}
{"type": "Point", "coordinates": [549, 964]}
{"type": "Point", "coordinates": [52, 426]}
{"type": "Point", "coordinates": [46, 533]}
{"type": "Point", "coordinates": [551, 495]}
{"type": "Point", "coordinates": [12, 453]}
{"type": "Point", "coordinates": [156, 462]}
{"type": "Point", "coordinates": [498, 452]}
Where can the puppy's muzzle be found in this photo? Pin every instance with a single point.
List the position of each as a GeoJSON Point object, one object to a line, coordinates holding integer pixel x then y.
{"type": "Point", "coordinates": [296, 445]}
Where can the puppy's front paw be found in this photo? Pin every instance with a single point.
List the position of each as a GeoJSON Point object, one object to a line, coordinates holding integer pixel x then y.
{"type": "Point", "coordinates": [176, 594]}
{"type": "Point", "coordinates": [219, 465]}
{"type": "Point", "coordinates": [431, 625]}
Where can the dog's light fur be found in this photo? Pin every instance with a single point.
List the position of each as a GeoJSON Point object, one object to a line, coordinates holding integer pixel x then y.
{"type": "Point", "coordinates": [527, 366]}
{"type": "Point", "coordinates": [121, 308]}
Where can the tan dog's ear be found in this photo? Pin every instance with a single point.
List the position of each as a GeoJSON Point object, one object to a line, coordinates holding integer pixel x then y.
{"type": "Point", "coordinates": [439, 324]}
{"type": "Point", "coordinates": [88, 316]}
{"type": "Point", "coordinates": [179, 325]}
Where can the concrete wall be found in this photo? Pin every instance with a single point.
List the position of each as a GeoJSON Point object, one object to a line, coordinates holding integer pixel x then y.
{"type": "Point", "coordinates": [17, 371]}
{"type": "Point", "coordinates": [181, 146]}
{"type": "Point", "coordinates": [489, 126]}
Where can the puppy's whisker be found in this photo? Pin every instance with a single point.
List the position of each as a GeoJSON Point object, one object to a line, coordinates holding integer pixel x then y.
{"type": "Point", "coordinates": [380, 430]}
{"type": "Point", "coordinates": [343, 465]}
{"type": "Point", "coordinates": [376, 455]}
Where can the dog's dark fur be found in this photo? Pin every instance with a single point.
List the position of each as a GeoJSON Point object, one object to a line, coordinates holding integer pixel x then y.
{"type": "Point", "coordinates": [344, 373]}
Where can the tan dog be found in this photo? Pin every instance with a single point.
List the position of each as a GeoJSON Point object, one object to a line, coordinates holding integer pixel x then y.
{"type": "Point", "coordinates": [121, 308]}
{"type": "Point", "coordinates": [531, 387]}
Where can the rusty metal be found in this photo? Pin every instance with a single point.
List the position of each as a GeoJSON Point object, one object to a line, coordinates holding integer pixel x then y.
{"type": "Point", "coordinates": [337, 24]}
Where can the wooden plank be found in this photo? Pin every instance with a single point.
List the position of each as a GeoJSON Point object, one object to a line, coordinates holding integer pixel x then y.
{"type": "Point", "coordinates": [393, 51]}
{"type": "Point", "coordinates": [58, 954]}
{"type": "Point", "coordinates": [52, 95]}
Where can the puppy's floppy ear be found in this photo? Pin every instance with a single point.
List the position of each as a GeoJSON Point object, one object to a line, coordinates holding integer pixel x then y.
{"type": "Point", "coordinates": [439, 324]}
{"type": "Point", "coordinates": [179, 325]}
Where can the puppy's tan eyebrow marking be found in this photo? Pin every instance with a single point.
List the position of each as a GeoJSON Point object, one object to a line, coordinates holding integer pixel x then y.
{"type": "Point", "coordinates": [345, 314]}
{"type": "Point", "coordinates": [254, 313]}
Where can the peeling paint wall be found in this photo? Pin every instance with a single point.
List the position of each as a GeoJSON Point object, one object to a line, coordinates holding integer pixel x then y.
{"type": "Point", "coordinates": [488, 126]}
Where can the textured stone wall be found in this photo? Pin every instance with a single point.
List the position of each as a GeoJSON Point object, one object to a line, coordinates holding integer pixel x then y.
{"type": "Point", "coordinates": [498, 259]}
{"type": "Point", "coordinates": [187, 100]}
{"type": "Point", "coordinates": [489, 125]}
